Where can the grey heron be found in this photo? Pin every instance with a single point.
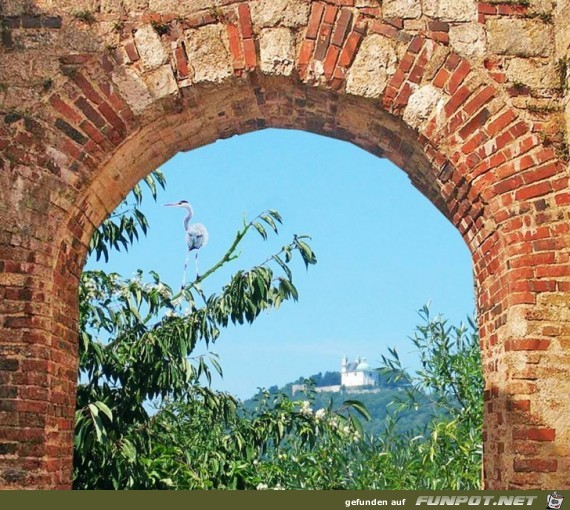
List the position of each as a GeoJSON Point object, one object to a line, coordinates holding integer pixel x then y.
{"type": "Point", "coordinates": [196, 235]}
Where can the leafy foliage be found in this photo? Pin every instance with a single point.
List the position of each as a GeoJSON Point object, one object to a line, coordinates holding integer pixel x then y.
{"type": "Point", "coordinates": [146, 419]}
{"type": "Point", "coordinates": [122, 228]}
{"type": "Point", "coordinates": [447, 454]}
{"type": "Point", "coordinates": [376, 402]}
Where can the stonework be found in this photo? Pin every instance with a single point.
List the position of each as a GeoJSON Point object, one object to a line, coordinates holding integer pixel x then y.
{"type": "Point", "coordinates": [423, 103]}
{"type": "Point", "coordinates": [402, 9]}
{"type": "Point", "coordinates": [469, 98]}
{"type": "Point", "coordinates": [520, 37]}
{"type": "Point", "coordinates": [208, 54]}
{"type": "Point", "coordinates": [374, 64]}
{"type": "Point", "coordinates": [468, 39]}
{"type": "Point", "coordinates": [283, 13]}
{"type": "Point", "coordinates": [149, 47]}
{"type": "Point", "coordinates": [444, 10]}
{"type": "Point", "coordinates": [277, 51]}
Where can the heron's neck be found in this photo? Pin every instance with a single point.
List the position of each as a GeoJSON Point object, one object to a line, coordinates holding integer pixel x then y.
{"type": "Point", "coordinates": [188, 216]}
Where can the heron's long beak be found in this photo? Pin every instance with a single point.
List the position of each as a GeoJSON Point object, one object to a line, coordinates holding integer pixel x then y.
{"type": "Point", "coordinates": [170, 205]}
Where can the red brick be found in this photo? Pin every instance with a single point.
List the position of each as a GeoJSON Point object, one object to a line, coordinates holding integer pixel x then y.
{"type": "Point", "coordinates": [418, 70]}
{"type": "Point", "coordinates": [306, 52]}
{"type": "Point", "coordinates": [441, 37]}
{"type": "Point", "coordinates": [92, 132]}
{"type": "Point", "coordinates": [398, 79]}
{"type": "Point", "coordinates": [511, 10]}
{"type": "Point", "coordinates": [545, 154]}
{"type": "Point", "coordinates": [441, 78]}
{"type": "Point", "coordinates": [470, 147]}
{"type": "Point", "coordinates": [395, 22]}
{"type": "Point", "coordinates": [404, 95]}
{"type": "Point", "coordinates": [350, 48]}
{"type": "Point", "coordinates": [452, 61]}
{"type": "Point", "coordinates": [330, 14]}
{"type": "Point", "coordinates": [317, 11]}
{"type": "Point", "coordinates": [562, 199]}
{"type": "Point", "coordinates": [87, 88]}
{"type": "Point", "coordinates": [235, 47]}
{"type": "Point", "coordinates": [533, 191]}
{"type": "Point", "coordinates": [416, 44]}
{"type": "Point", "coordinates": [66, 110]}
{"type": "Point", "coordinates": [519, 405]}
{"type": "Point", "coordinates": [112, 117]}
{"type": "Point", "coordinates": [250, 53]}
{"type": "Point", "coordinates": [245, 21]}
{"type": "Point", "coordinates": [132, 52]}
{"type": "Point", "coordinates": [90, 112]}
{"type": "Point", "coordinates": [342, 28]}
{"type": "Point", "coordinates": [384, 29]}
{"type": "Point", "coordinates": [182, 69]}
{"type": "Point", "coordinates": [503, 140]}
{"type": "Point", "coordinates": [541, 173]}
{"type": "Point", "coordinates": [330, 61]}
{"type": "Point", "coordinates": [456, 100]}
{"type": "Point", "coordinates": [323, 42]}
{"type": "Point", "coordinates": [438, 26]}
{"type": "Point", "coordinates": [530, 344]}
{"type": "Point", "coordinates": [487, 9]}
{"type": "Point", "coordinates": [475, 123]}
{"type": "Point", "coordinates": [374, 12]}
{"type": "Point", "coordinates": [458, 76]}
{"type": "Point", "coordinates": [480, 98]}
{"type": "Point", "coordinates": [535, 434]}
{"type": "Point", "coordinates": [507, 185]}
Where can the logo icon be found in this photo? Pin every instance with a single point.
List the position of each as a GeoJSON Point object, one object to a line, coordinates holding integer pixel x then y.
{"type": "Point", "coordinates": [554, 501]}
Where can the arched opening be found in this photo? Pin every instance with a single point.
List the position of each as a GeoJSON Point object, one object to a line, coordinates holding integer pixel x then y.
{"type": "Point", "coordinates": [383, 250]}
{"type": "Point", "coordinates": [424, 105]}
{"type": "Point", "coordinates": [271, 103]}
{"type": "Point", "coordinates": [350, 202]}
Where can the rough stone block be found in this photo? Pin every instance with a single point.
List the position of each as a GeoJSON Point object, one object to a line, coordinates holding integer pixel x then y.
{"type": "Point", "coordinates": [375, 62]}
{"type": "Point", "coordinates": [120, 6]}
{"type": "Point", "coordinates": [533, 73]}
{"type": "Point", "coordinates": [402, 9]}
{"type": "Point", "coordinates": [519, 37]}
{"type": "Point", "coordinates": [132, 88]}
{"type": "Point", "coordinates": [422, 103]}
{"type": "Point", "coordinates": [150, 48]}
{"type": "Point", "coordinates": [277, 51]}
{"type": "Point", "coordinates": [181, 6]}
{"type": "Point", "coordinates": [468, 39]}
{"type": "Point", "coordinates": [284, 13]}
{"type": "Point", "coordinates": [445, 10]}
{"type": "Point", "coordinates": [209, 54]}
{"type": "Point", "coordinates": [161, 82]}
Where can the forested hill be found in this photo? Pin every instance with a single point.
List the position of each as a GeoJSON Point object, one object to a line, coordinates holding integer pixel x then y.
{"type": "Point", "coordinates": [376, 402]}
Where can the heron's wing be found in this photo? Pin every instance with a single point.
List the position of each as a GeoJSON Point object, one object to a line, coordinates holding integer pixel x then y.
{"type": "Point", "coordinates": [196, 237]}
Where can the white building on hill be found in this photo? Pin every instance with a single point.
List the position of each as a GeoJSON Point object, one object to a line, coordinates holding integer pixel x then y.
{"type": "Point", "coordinates": [356, 374]}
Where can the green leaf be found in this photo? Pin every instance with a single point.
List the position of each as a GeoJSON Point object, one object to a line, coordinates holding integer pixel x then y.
{"type": "Point", "coordinates": [359, 407]}
{"type": "Point", "coordinates": [103, 407]}
{"type": "Point", "coordinates": [260, 229]}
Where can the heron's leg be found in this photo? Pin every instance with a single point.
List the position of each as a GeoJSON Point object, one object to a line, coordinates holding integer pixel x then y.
{"type": "Point", "coordinates": [197, 274]}
{"type": "Point", "coordinates": [185, 266]}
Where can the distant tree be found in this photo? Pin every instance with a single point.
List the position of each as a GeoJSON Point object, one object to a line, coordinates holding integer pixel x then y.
{"type": "Point", "coordinates": [330, 379]}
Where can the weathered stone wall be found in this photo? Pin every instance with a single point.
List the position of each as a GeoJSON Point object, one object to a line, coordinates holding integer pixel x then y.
{"type": "Point", "coordinates": [468, 98]}
{"type": "Point", "coordinates": [562, 62]}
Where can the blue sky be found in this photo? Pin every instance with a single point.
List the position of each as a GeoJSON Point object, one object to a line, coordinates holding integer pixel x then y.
{"type": "Point", "coordinates": [383, 251]}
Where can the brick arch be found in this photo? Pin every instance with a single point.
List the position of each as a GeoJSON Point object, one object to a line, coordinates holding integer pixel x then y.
{"type": "Point", "coordinates": [121, 91]}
